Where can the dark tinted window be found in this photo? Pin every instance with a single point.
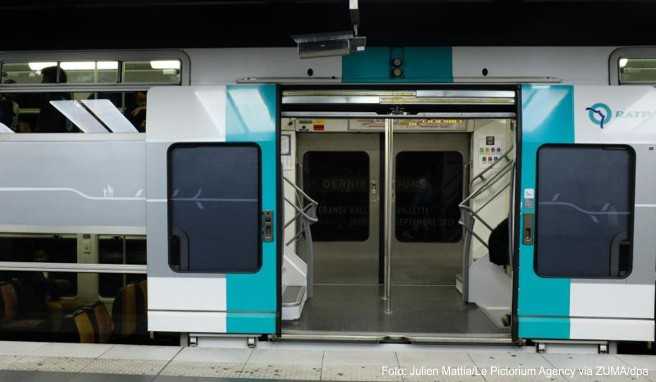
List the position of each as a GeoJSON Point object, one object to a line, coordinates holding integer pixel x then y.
{"type": "Point", "coordinates": [214, 210]}
{"type": "Point", "coordinates": [47, 249]}
{"type": "Point", "coordinates": [428, 190]}
{"type": "Point", "coordinates": [339, 181]}
{"type": "Point", "coordinates": [584, 225]}
{"type": "Point", "coordinates": [119, 250]}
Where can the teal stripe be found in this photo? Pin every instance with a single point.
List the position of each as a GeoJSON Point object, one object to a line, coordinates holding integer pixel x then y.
{"type": "Point", "coordinates": [544, 328]}
{"type": "Point", "coordinates": [251, 323]}
{"type": "Point", "coordinates": [252, 297]}
{"type": "Point", "coordinates": [420, 64]}
{"type": "Point", "coordinates": [543, 303]}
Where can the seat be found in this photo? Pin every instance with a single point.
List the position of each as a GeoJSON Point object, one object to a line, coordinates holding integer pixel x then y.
{"type": "Point", "coordinates": [129, 312]}
{"type": "Point", "coordinates": [102, 322]}
{"type": "Point", "coordinates": [17, 322]}
{"type": "Point", "coordinates": [499, 245]}
{"type": "Point", "coordinates": [78, 327]}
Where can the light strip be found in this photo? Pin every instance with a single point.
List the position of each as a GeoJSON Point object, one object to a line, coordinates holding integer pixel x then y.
{"type": "Point", "coordinates": [165, 64]}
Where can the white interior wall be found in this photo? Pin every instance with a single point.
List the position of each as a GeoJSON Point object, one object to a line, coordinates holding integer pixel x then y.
{"type": "Point", "coordinates": [498, 209]}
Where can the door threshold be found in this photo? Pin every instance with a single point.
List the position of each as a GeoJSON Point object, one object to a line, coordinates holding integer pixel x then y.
{"type": "Point", "coordinates": [405, 338]}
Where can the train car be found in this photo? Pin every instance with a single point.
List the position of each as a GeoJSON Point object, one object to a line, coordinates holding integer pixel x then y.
{"type": "Point", "coordinates": [404, 195]}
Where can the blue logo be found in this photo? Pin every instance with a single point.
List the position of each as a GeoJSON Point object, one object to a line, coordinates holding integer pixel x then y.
{"type": "Point", "coordinates": [599, 114]}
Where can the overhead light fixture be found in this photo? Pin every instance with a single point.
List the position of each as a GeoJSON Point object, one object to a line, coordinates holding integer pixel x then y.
{"type": "Point", "coordinates": [623, 62]}
{"type": "Point", "coordinates": [165, 64]}
{"type": "Point", "coordinates": [39, 66]}
{"type": "Point", "coordinates": [334, 43]}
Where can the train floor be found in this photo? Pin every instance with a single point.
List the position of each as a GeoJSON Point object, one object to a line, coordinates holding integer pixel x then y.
{"type": "Point", "coordinates": [57, 362]}
{"type": "Point", "coordinates": [416, 309]}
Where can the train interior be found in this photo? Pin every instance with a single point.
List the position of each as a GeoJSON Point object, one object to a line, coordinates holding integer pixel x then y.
{"type": "Point", "coordinates": [445, 226]}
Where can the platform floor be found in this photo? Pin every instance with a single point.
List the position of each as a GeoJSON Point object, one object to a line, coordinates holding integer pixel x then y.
{"type": "Point", "coordinates": [53, 362]}
{"type": "Point", "coordinates": [416, 309]}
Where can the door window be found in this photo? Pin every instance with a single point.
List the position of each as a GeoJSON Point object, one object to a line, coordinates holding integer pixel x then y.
{"type": "Point", "coordinates": [429, 187]}
{"type": "Point", "coordinates": [584, 214]}
{"type": "Point", "coordinates": [214, 207]}
{"type": "Point", "coordinates": [339, 181]}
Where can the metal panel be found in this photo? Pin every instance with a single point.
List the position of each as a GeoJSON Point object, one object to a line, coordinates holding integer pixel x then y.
{"type": "Point", "coordinates": [72, 185]}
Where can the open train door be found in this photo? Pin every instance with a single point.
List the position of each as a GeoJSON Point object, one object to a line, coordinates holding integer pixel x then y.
{"type": "Point", "coordinates": [587, 211]}
{"type": "Point", "coordinates": [212, 210]}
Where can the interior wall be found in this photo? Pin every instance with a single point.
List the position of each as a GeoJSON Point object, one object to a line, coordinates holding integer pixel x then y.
{"type": "Point", "coordinates": [498, 209]}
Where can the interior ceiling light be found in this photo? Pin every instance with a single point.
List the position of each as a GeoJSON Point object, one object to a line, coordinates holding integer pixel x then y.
{"type": "Point", "coordinates": [623, 62]}
{"type": "Point", "coordinates": [333, 43]}
{"type": "Point", "coordinates": [165, 64]}
{"type": "Point", "coordinates": [39, 66]}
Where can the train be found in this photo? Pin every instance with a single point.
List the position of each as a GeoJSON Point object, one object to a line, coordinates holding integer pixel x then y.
{"type": "Point", "coordinates": [483, 195]}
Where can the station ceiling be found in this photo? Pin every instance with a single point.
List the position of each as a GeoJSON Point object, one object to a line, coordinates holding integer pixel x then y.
{"type": "Point", "coordinates": [92, 24]}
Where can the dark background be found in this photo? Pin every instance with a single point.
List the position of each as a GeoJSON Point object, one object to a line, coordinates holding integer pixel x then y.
{"type": "Point", "coordinates": [93, 24]}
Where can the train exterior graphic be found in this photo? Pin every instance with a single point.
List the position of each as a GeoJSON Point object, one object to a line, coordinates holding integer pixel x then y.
{"type": "Point", "coordinates": [149, 196]}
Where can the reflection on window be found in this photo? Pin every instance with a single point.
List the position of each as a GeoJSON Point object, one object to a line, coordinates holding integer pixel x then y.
{"type": "Point", "coordinates": [45, 249]}
{"type": "Point", "coordinates": [584, 214]}
{"type": "Point", "coordinates": [339, 181]}
{"type": "Point", "coordinates": [160, 71]}
{"type": "Point", "coordinates": [429, 187]}
{"type": "Point", "coordinates": [34, 310]}
{"type": "Point", "coordinates": [637, 70]}
{"type": "Point", "coordinates": [119, 250]}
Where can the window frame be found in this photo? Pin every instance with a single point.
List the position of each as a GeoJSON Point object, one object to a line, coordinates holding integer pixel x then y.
{"type": "Point", "coordinates": [169, 206]}
{"type": "Point", "coordinates": [631, 194]}
{"type": "Point", "coordinates": [637, 52]}
{"type": "Point", "coordinates": [95, 55]}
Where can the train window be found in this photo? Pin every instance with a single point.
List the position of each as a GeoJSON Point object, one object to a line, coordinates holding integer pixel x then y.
{"type": "Point", "coordinates": [429, 187]}
{"type": "Point", "coordinates": [35, 310]}
{"type": "Point", "coordinates": [158, 71]}
{"type": "Point", "coordinates": [637, 70]}
{"type": "Point", "coordinates": [339, 181]}
{"type": "Point", "coordinates": [119, 250]}
{"type": "Point", "coordinates": [25, 72]}
{"type": "Point", "coordinates": [90, 72]}
{"type": "Point", "coordinates": [43, 249]}
{"type": "Point", "coordinates": [584, 212]}
{"type": "Point", "coordinates": [34, 112]}
{"type": "Point", "coordinates": [214, 207]}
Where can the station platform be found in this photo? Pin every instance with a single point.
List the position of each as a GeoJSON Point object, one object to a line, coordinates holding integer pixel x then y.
{"type": "Point", "coordinates": [56, 362]}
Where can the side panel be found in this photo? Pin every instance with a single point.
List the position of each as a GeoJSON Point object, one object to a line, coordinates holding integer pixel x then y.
{"type": "Point", "coordinates": [72, 185]}
{"type": "Point", "coordinates": [207, 302]}
{"type": "Point", "coordinates": [600, 308]}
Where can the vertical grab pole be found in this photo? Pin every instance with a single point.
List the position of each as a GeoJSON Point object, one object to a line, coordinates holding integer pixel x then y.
{"type": "Point", "coordinates": [389, 197]}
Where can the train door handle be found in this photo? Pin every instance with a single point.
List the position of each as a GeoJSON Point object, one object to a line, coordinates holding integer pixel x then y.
{"type": "Point", "coordinates": [529, 231]}
{"type": "Point", "coordinates": [267, 226]}
{"type": "Point", "coordinates": [373, 189]}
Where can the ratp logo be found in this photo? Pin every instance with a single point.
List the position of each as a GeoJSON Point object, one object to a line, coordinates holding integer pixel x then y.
{"type": "Point", "coordinates": [599, 114]}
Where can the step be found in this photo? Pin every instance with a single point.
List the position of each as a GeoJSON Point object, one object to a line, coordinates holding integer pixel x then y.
{"type": "Point", "coordinates": [293, 299]}
{"type": "Point", "coordinates": [459, 282]}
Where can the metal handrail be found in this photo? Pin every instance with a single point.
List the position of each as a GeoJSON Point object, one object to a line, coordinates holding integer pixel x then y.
{"type": "Point", "coordinates": [300, 191]}
{"type": "Point", "coordinates": [505, 156]}
{"type": "Point", "coordinates": [470, 216]}
{"type": "Point", "coordinates": [305, 208]}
